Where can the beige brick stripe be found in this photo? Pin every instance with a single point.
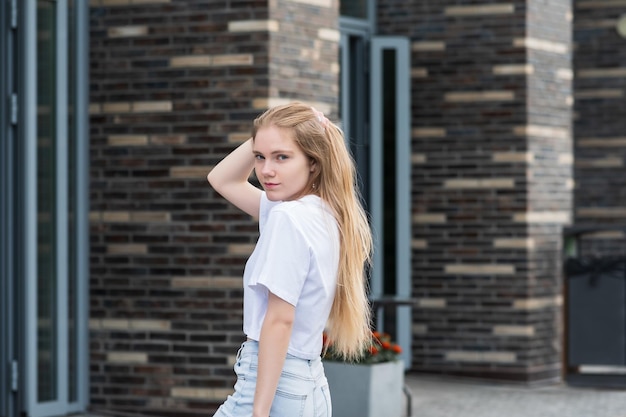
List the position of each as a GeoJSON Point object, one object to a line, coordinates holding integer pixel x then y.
{"type": "Point", "coordinates": [526, 157]}
{"type": "Point", "coordinates": [225, 60]}
{"type": "Point", "coordinates": [479, 269]}
{"type": "Point", "coordinates": [431, 303]}
{"type": "Point", "coordinates": [137, 107]}
{"type": "Point", "coordinates": [127, 31]}
{"type": "Point", "coordinates": [253, 25]}
{"type": "Point", "coordinates": [105, 3]}
{"type": "Point", "coordinates": [541, 131]}
{"type": "Point", "coordinates": [319, 3]}
{"type": "Point", "coordinates": [206, 282]}
{"type": "Point", "coordinates": [470, 96]}
{"type": "Point", "coordinates": [604, 212]}
{"type": "Point", "coordinates": [602, 73]}
{"type": "Point", "coordinates": [511, 330]}
{"type": "Point", "coordinates": [595, 4]}
{"type": "Point", "coordinates": [129, 324]}
{"type": "Point", "coordinates": [200, 393]}
{"type": "Point", "coordinates": [537, 303]}
{"type": "Point", "coordinates": [426, 132]}
{"type": "Point", "coordinates": [514, 69]}
{"type": "Point", "coordinates": [541, 45]}
{"type": "Point", "coordinates": [130, 216]}
{"type": "Point", "coordinates": [491, 357]}
{"type": "Point", "coordinates": [480, 10]}
{"type": "Point", "coordinates": [543, 217]}
{"type": "Point", "coordinates": [426, 218]}
{"type": "Point", "coordinates": [127, 357]}
{"type": "Point", "coordinates": [479, 183]}
{"type": "Point", "coordinates": [617, 142]}
{"type": "Point", "coordinates": [514, 243]}
{"type": "Point", "coordinates": [590, 94]}
{"type": "Point", "coordinates": [425, 46]}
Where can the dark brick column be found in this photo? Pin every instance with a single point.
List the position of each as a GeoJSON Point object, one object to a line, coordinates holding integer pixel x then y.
{"type": "Point", "coordinates": [304, 53]}
{"type": "Point", "coordinates": [600, 123]}
{"type": "Point", "coordinates": [491, 182]}
{"type": "Point", "coordinates": [174, 87]}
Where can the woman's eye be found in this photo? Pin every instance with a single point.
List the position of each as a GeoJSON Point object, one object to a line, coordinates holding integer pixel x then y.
{"type": "Point", "coordinates": [258, 157]}
{"type": "Point", "coordinates": [282, 157]}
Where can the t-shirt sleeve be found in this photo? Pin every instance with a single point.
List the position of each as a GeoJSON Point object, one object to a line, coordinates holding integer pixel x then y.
{"type": "Point", "coordinates": [284, 258]}
{"type": "Point", "coordinates": [265, 208]}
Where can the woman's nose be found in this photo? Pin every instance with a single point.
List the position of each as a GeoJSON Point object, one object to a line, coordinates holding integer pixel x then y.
{"type": "Point", "coordinates": [267, 169]}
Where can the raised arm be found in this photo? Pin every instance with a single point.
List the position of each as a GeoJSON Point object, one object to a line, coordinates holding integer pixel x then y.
{"type": "Point", "coordinates": [230, 178]}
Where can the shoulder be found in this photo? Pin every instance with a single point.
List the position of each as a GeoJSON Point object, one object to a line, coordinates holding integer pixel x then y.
{"type": "Point", "coordinates": [307, 208]}
{"type": "Point", "coordinates": [309, 216]}
{"type": "Point", "coordinates": [287, 214]}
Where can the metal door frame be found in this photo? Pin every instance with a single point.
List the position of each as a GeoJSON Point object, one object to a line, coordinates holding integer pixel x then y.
{"type": "Point", "coordinates": [9, 300]}
{"type": "Point", "coordinates": [361, 113]}
{"type": "Point", "coordinates": [354, 95]}
{"type": "Point", "coordinates": [401, 47]}
{"type": "Point", "coordinates": [26, 183]}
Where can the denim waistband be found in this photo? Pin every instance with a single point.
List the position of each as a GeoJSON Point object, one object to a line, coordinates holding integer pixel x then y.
{"type": "Point", "coordinates": [251, 348]}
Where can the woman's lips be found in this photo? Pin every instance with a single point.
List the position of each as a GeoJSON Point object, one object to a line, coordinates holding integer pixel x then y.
{"type": "Point", "coordinates": [270, 185]}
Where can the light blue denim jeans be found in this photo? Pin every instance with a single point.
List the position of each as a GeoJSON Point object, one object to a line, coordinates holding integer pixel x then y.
{"type": "Point", "coordinates": [302, 389]}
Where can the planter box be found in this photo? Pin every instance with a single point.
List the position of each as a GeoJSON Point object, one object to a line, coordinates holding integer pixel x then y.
{"type": "Point", "coordinates": [370, 390]}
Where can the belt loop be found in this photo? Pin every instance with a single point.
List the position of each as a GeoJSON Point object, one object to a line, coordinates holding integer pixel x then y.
{"type": "Point", "coordinates": [239, 351]}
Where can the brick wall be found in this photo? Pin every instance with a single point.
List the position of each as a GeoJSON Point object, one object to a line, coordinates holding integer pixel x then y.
{"type": "Point", "coordinates": [174, 87]}
{"type": "Point", "coordinates": [491, 182]}
{"type": "Point", "coordinates": [549, 175]}
{"type": "Point", "coordinates": [600, 122]}
{"type": "Point", "coordinates": [304, 53]}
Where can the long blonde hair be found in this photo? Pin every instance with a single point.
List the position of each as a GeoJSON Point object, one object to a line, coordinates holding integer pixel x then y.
{"type": "Point", "coordinates": [334, 181]}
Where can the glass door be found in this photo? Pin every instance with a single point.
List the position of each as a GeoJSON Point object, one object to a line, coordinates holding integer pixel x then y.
{"type": "Point", "coordinates": [354, 98]}
{"type": "Point", "coordinates": [8, 294]}
{"type": "Point", "coordinates": [390, 185]}
{"type": "Point", "coordinates": [375, 117]}
{"type": "Point", "coordinates": [52, 179]}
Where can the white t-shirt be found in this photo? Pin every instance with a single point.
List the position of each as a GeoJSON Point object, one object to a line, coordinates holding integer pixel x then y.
{"type": "Point", "coordinates": [296, 258]}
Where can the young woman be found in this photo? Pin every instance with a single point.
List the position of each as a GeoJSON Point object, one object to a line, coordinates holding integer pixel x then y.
{"type": "Point", "coordinates": [306, 274]}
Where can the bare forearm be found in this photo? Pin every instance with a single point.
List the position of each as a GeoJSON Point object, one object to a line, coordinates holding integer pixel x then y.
{"type": "Point", "coordinates": [234, 168]}
{"type": "Point", "coordinates": [273, 346]}
{"type": "Point", "coordinates": [230, 179]}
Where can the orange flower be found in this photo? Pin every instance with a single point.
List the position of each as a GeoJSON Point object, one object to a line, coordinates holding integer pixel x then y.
{"type": "Point", "coordinates": [382, 349]}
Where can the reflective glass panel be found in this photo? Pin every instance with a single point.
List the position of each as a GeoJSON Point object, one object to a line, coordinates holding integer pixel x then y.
{"type": "Point", "coordinates": [354, 8]}
{"type": "Point", "coordinates": [389, 170]}
{"type": "Point", "coordinates": [46, 201]}
{"type": "Point", "coordinates": [71, 233]}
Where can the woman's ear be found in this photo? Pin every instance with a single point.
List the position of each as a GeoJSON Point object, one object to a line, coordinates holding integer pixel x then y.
{"type": "Point", "coordinates": [312, 165]}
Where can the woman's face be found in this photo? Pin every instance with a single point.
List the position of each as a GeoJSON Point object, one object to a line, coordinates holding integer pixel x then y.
{"type": "Point", "coordinates": [281, 166]}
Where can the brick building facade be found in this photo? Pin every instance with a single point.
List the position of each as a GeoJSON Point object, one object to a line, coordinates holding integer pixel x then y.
{"type": "Point", "coordinates": [491, 183]}
{"type": "Point", "coordinates": [174, 87]}
{"type": "Point", "coordinates": [600, 115]}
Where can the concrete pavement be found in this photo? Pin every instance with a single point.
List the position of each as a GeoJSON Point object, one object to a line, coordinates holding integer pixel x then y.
{"type": "Point", "coordinates": [440, 396]}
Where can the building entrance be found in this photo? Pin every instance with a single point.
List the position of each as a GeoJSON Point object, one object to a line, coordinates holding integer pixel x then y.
{"type": "Point", "coordinates": [43, 208]}
{"type": "Point", "coordinates": [375, 116]}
